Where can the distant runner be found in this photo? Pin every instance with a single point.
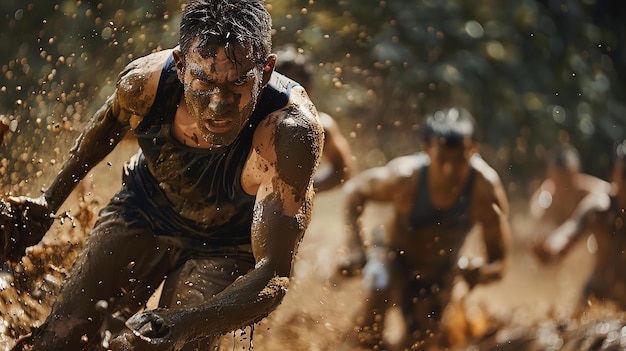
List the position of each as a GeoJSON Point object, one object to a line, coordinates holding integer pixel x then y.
{"type": "Point", "coordinates": [438, 196]}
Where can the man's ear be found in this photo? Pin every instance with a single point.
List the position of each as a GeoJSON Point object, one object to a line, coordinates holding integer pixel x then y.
{"type": "Point", "coordinates": [268, 68]}
{"type": "Point", "coordinates": [180, 64]}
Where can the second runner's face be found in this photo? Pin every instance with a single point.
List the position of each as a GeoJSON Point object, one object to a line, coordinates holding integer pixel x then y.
{"type": "Point", "coordinates": [451, 164]}
{"type": "Point", "coordinates": [220, 94]}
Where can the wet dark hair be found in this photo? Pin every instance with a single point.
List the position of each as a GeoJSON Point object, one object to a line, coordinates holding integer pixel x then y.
{"type": "Point", "coordinates": [450, 127]}
{"type": "Point", "coordinates": [563, 156]}
{"type": "Point", "coordinates": [234, 24]}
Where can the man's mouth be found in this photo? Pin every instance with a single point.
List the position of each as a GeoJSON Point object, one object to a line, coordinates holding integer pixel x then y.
{"type": "Point", "coordinates": [218, 126]}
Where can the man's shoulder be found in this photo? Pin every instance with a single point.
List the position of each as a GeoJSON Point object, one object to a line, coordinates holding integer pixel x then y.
{"type": "Point", "coordinates": [484, 170]}
{"type": "Point", "coordinates": [408, 164]}
{"type": "Point", "coordinates": [137, 83]}
{"type": "Point", "coordinates": [397, 171]}
{"type": "Point", "coordinates": [297, 116]}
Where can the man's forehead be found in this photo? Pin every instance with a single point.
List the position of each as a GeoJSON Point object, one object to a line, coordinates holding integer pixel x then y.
{"type": "Point", "coordinates": [237, 60]}
{"type": "Point", "coordinates": [235, 52]}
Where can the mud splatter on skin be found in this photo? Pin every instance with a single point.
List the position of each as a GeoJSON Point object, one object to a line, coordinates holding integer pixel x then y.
{"type": "Point", "coordinates": [276, 287]}
{"type": "Point", "coordinates": [101, 135]}
{"type": "Point", "coordinates": [219, 88]}
{"type": "Point", "coordinates": [122, 111]}
{"type": "Point", "coordinates": [298, 143]}
{"type": "Point", "coordinates": [202, 105]}
{"type": "Point", "coordinates": [131, 87]}
{"type": "Point", "coordinates": [134, 86]}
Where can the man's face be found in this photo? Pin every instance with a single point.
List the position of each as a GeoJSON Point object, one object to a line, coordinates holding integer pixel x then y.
{"type": "Point", "coordinates": [219, 93]}
{"type": "Point", "coordinates": [450, 163]}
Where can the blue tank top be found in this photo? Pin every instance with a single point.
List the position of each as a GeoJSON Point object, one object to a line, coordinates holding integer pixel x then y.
{"type": "Point", "coordinates": [196, 193]}
{"type": "Point", "coordinates": [423, 214]}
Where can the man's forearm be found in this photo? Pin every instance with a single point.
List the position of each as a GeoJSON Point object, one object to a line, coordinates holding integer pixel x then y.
{"type": "Point", "coordinates": [248, 300]}
{"type": "Point", "coordinates": [92, 146]}
{"type": "Point", "coordinates": [354, 209]}
{"type": "Point", "coordinates": [70, 175]}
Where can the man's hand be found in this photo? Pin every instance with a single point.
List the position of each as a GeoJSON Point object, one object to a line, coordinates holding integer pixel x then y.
{"type": "Point", "coordinates": [23, 222]}
{"type": "Point", "coordinates": [151, 330]}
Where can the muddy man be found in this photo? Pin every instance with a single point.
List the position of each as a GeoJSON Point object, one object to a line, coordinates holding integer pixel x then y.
{"type": "Point", "coordinates": [215, 203]}
{"type": "Point", "coordinates": [437, 197]}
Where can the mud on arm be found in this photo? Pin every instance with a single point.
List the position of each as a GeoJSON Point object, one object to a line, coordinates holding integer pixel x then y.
{"type": "Point", "coordinates": [98, 139]}
{"type": "Point", "coordinates": [131, 99]}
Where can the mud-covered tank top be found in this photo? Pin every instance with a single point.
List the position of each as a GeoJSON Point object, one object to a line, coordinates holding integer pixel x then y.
{"type": "Point", "coordinates": [197, 193]}
{"type": "Point", "coordinates": [423, 214]}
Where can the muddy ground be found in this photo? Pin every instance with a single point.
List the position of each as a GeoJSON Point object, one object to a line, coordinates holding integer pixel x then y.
{"type": "Point", "coordinates": [532, 308]}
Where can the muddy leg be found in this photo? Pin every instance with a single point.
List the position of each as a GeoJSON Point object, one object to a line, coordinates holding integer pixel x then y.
{"type": "Point", "coordinates": [120, 263]}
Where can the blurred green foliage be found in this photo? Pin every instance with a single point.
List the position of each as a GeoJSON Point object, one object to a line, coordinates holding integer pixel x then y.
{"type": "Point", "coordinates": [534, 73]}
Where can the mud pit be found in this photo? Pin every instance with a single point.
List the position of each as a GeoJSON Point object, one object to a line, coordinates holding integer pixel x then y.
{"type": "Point", "coordinates": [530, 309]}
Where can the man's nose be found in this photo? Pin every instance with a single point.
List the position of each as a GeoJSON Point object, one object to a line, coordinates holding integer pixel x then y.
{"type": "Point", "coordinates": [221, 101]}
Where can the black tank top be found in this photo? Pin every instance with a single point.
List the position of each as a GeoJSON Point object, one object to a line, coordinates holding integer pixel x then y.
{"type": "Point", "coordinates": [423, 214]}
{"type": "Point", "coordinates": [197, 193]}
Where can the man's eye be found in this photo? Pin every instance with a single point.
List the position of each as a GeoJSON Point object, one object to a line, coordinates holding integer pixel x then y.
{"type": "Point", "coordinates": [240, 81]}
{"type": "Point", "coordinates": [201, 85]}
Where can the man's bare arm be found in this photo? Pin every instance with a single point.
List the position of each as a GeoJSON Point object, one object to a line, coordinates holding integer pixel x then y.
{"type": "Point", "coordinates": [98, 139]}
{"type": "Point", "coordinates": [380, 184]}
{"type": "Point", "coordinates": [492, 212]}
{"type": "Point", "coordinates": [564, 236]}
{"type": "Point", "coordinates": [131, 100]}
{"type": "Point", "coordinates": [337, 153]}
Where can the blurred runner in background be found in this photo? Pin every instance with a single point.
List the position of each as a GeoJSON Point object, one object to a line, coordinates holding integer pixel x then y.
{"type": "Point", "coordinates": [599, 218]}
{"type": "Point", "coordinates": [438, 196]}
{"type": "Point", "coordinates": [564, 188]}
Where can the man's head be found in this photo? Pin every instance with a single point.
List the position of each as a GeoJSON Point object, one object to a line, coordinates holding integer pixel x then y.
{"type": "Point", "coordinates": [231, 24]}
{"type": "Point", "coordinates": [224, 61]}
{"type": "Point", "coordinates": [449, 139]}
